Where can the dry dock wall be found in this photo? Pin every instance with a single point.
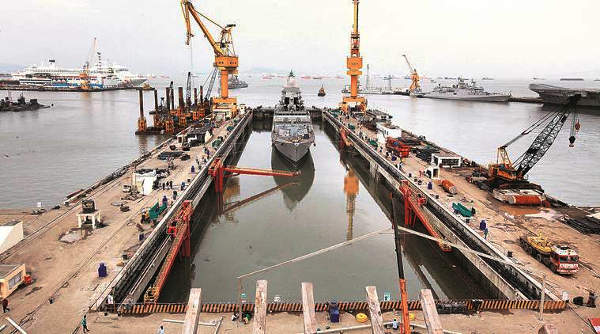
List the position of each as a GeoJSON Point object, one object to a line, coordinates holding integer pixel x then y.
{"type": "Point", "coordinates": [503, 279]}
{"type": "Point", "coordinates": [129, 283]}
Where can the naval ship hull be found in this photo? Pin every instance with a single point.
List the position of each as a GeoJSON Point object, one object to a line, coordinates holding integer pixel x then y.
{"type": "Point", "coordinates": [464, 97]}
{"type": "Point", "coordinates": [293, 151]}
{"type": "Point", "coordinates": [558, 95]}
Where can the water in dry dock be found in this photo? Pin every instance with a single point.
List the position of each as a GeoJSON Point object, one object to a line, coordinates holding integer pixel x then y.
{"type": "Point", "coordinates": [302, 218]}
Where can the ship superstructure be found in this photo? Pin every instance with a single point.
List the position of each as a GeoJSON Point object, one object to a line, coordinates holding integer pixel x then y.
{"type": "Point", "coordinates": [292, 133]}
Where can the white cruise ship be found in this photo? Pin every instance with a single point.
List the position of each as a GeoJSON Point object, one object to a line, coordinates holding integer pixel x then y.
{"type": "Point", "coordinates": [102, 74]}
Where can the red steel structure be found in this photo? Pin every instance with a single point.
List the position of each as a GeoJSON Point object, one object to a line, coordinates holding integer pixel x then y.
{"type": "Point", "coordinates": [217, 170]}
{"type": "Point", "coordinates": [413, 209]}
{"type": "Point", "coordinates": [178, 230]}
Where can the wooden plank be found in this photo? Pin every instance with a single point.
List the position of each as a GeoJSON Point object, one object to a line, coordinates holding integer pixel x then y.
{"type": "Point", "coordinates": [374, 310]}
{"type": "Point", "coordinates": [192, 316]}
{"type": "Point", "coordinates": [548, 329]}
{"type": "Point", "coordinates": [260, 308]}
{"type": "Point", "coordinates": [308, 308]}
{"type": "Point", "coordinates": [432, 318]}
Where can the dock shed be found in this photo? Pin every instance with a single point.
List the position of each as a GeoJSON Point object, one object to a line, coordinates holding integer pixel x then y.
{"type": "Point", "coordinates": [443, 159]}
{"type": "Point", "coordinates": [11, 276]}
{"type": "Point", "coordinates": [201, 135]}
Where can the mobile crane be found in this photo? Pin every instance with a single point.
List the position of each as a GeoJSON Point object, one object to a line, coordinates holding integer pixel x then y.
{"type": "Point", "coordinates": [225, 58]}
{"type": "Point", "coordinates": [506, 173]}
{"type": "Point", "coordinates": [354, 103]}
{"type": "Point", "coordinates": [415, 86]}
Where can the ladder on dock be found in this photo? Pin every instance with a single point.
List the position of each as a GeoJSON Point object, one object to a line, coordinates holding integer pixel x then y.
{"type": "Point", "coordinates": [413, 209]}
{"type": "Point", "coordinates": [179, 230]}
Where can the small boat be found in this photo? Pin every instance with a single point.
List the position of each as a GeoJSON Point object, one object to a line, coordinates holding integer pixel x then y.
{"type": "Point", "coordinates": [317, 77]}
{"type": "Point", "coordinates": [571, 79]}
{"type": "Point", "coordinates": [321, 91]}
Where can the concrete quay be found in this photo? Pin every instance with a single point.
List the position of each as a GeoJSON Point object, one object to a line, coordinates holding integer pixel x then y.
{"type": "Point", "coordinates": [65, 277]}
{"type": "Point", "coordinates": [521, 279]}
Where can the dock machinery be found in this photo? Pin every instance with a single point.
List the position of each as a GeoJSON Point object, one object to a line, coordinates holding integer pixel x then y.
{"type": "Point", "coordinates": [354, 103]}
{"type": "Point", "coordinates": [506, 173]}
{"type": "Point", "coordinates": [225, 58]}
{"type": "Point", "coordinates": [415, 85]}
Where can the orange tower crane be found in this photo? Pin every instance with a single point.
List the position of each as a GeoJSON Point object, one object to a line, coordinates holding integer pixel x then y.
{"type": "Point", "coordinates": [84, 75]}
{"type": "Point", "coordinates": [225, 58]}
{"type": "Point", "coordinates": [354, 63]}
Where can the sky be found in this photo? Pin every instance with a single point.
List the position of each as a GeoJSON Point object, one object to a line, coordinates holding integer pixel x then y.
{"type": "Point", "coordinates": [472, 38]}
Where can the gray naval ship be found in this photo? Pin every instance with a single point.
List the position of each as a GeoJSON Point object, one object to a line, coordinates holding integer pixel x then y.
{"type": "Point", "coordinates": [292, 133]}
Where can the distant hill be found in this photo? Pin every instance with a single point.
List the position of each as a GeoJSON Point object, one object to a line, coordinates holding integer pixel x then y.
{"type": "Point", "coordinates": [10, 67]}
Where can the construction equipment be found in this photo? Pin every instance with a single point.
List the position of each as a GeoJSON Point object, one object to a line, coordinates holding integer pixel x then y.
{"type": "Point", "coordinates": [225, 58]}
{"type": "Point", "coordinates": [178, 230]}
{"type": "Point", "coordinates": [217, 170]}
{"type": "Point", "coordinates": [506, 173]}
{"type": "Point", "coordinates": [354, 103]}
{"type": "Point", "coordinates": [415, 86]}
{"type": "Point", "coordinates": [84, 75]}
{"type": "Point", "coordinates": [561, 259]}
{"type": "Point", "coordinates": [397, 147]}
{"type": "Point", "coordinates": [398, 240]}
{"type": "Point", "coordinates": [188, 93]}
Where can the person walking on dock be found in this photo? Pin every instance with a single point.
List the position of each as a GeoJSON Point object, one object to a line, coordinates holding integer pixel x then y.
{"type": "Point", "coordinates": [84, 324]}
{"type": "Point", "coordinates": [161, 330]}
{"type": "Point", "coordinates": [486, 232]}
{"type": "Point", "coordinates": [395, 325]}
{"type": "Point", "coordinates": [5, 305]}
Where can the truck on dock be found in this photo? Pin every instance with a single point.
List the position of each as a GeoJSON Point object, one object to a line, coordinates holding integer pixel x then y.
{"type": "Point", "coordinates": [561, 259]}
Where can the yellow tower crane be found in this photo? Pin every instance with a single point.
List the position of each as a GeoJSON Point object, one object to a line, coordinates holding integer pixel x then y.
{"type": "Point", "coordinates": [351, 191]}
{"type": "Point", "coordinates": [225, 58]}
{"type": "Point", "coordinates": [354, 103]}
{"type": "Point", "coordinates": [415, 86]}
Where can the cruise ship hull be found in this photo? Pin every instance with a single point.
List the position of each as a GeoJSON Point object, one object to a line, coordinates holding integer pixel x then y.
{"type": "Point", "coordinates": [558, 95]}
{"type": "Point", "coordinates": [462, 97]}
{"type": "Point", "coordinates": [293, 151]}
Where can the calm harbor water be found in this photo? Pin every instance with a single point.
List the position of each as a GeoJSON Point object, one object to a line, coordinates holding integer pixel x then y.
{"type": "Point", "coordinates": [301, 218]}
{"type": "Point", "coordinates": [46, 154]}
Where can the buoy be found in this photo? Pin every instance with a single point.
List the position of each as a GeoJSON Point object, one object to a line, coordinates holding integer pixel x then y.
{"type": "Point", "coordinates": [577, 126]}
{"type": "Point", "coordinates": [361, 317]}
{"type": "Point", "coordinates": [571, 141]}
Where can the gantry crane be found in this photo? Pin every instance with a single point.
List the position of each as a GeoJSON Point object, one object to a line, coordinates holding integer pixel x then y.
{"type": "Point", "coordinates": [506, 172]}
{"type": "Point", "coordinates": [415, 86]}
{"type": "Point", "coordinates": [225, 58]}
{"type": "Point", "coordinates": [354, 103]}
{"type": "Point", "coordinates": [84, 75]}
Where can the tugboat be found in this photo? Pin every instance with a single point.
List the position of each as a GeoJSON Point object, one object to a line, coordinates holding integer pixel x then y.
{"type": "Point", "coordinates": [321, 92]}
{"type": "Point", "coordinates": [292, 133]}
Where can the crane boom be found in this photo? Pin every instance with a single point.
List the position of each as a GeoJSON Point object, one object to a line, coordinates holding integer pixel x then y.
{"type": "Point", "coordinates": [515, 171]}
{"type": "Point", "coordinates": [546, 137]}
{"type": "Point", "coordinates": [408, 63]}
{"type": "Point", "coordinates": [415, 85]}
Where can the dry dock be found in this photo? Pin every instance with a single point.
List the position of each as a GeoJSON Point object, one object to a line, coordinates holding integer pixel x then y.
{"type": "Point", "coordinates": [64, 259]}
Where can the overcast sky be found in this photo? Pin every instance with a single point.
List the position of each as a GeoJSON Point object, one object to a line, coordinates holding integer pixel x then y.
{"type": "Point", "coordinates": [499, 38]}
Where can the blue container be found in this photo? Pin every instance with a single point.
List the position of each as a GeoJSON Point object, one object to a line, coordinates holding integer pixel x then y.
{"type": "Point", "coordinates": [482, 224]}
{"type": "Point", "coordinates": [334, 312]}
{"type": "Point", "coordinates": [102, 271]}
{"type": "Point", "coordinates": [430, 186]}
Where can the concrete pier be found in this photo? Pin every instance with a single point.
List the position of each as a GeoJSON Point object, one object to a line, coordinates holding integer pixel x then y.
{"type": "Point", "coordinates": [504, 280]}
